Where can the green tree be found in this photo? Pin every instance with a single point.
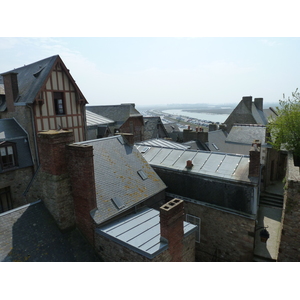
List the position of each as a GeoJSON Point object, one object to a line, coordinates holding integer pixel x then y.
{"type": "Point", "coordinates": [284, 128]}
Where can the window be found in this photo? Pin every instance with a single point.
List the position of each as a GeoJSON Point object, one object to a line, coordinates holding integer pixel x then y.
{"type": "Point", "coordinates": [8, 155]}
{"type": "Point", "coordinates": [59, 103]}
{"type": "Point", "coordinates": [142, 174]}
{"type": "Point", "coordinates": [195, 221]}
{"type": "Point", "coordinates": [5, 200]}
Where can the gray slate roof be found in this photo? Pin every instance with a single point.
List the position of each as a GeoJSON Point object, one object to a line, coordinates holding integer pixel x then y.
{"type": "Point", "coordinates": [239, 139]}
{"type": "Point", "coordinates": [116, 166]}
{"type": "Point", "coordinates": [11, 131]}
{"type": "Point", "coordinates": [151, 130]}
{"type": "Point", "coordinates": [231, 167]}
{"type": "Point", "coordinates": [31, 79]}
{"type": "Point", "coordinates": [29, 233]}
{"type": "Point", "coordinates": [140, 232]}
{"type": "Point", "coordinates": [95, 119]}
{"type": "Point", "coordinates": [162, 143]}
{"type": "Point", "coordinates": [118, 113]}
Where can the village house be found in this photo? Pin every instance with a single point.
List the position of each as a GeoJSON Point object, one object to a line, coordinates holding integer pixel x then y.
{"type": "Point", "coordinates": [39, 96]}
{"type": "Point", "coordinates": [221, 194]}
{"type": "Point", "coordinates": [125, 116]}
{"type": "Point", "coordinates": [87, 186]}
{"type": "Point", "coordinates": [154, 128]}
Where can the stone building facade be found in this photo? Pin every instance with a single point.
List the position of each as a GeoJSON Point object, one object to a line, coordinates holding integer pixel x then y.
{"type": "Point", "coordinates": [289, 250]}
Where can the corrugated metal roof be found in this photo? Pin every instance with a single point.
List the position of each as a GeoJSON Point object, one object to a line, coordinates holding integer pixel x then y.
{"type": "Point", "coordinates": [116, 167]}
{"type": "Point", "coordinates": [140, 232]}
{"type": "Point", "coordinates": [162, 143]}
{"type": "Point", "coordinates": [234, 167]}
{"type": "Point", "coordinates": [95, 119]}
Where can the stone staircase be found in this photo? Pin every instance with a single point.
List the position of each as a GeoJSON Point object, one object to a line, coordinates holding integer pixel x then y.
{"type": "Point", "coordinates": [271, 200]}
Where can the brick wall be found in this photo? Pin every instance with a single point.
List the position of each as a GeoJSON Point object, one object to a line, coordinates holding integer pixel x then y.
{"type": "Point", "coordinates": [223, 236]}
{"type": "Point", "coordinates": [289, 250]}
{"type": "Point", "coordinates": [81, 168]}
{"type": "Point", "coordinates": [52, 183]}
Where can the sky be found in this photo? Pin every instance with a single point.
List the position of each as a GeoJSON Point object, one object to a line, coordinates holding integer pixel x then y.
{"type": "Point", "coordinates": [174, 54]}
{"type": "Point", "coordinates": [149, 70]}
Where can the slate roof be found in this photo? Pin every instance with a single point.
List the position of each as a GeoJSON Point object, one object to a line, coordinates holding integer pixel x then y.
{"type": "Point", "coordinates": [29, 233]}
{"type": "Point", "coordinates": [118, 113]}
{"type": "Point", "coordinates": [140, 232]}
{"type": "Point", "coordinates": [116, 167]}
{"type": "Point", "coordinates": [170, 127]}
{"type": "Point", "coordinates": [239, 139]}
{"type": "Point", "coordinates": [151, 128]}
{"type": "Point", "coordinates": [31, 79]}
{"type": "Point", "coordinates": [231, 167]}
{"type": "Point", "coordinates": [11, 131]}
{"type": "Point", "coordinates": [95, 119]}
{"type": "Point", "coordinates": [163, 143]}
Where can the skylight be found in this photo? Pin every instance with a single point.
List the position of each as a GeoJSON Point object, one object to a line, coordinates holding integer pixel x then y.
{"type": "Point", "coordinates": [118, 202]}
{"type": "Point", "coordinates": [142, 174]}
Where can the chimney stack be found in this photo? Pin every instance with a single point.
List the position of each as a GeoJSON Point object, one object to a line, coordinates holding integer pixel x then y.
{"type": "Point", "coordinates": [11, 89]}
{"type": "Point", "coordinates": [171, 227]}
{"type": "Point", "coordinates": [128, 138]}
{"type": "Point", "coordinates": [254, 164]}
{"type": "Point", "coordinates": [258, 103]}
{"type": "Point", "coordinates": [248, 102]}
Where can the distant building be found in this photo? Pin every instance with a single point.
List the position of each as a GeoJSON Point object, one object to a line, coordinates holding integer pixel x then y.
{"type": "Point", "coordinates": [126, 119]}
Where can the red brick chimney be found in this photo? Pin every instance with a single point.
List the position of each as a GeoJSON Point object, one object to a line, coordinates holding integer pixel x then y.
{"type": "Point", "coordinates": [81, 168]}
{"type": "Point", "coordinates": [54, 181]}
{"type": "Point", "coordinates": [254, 164]}
{"type": "Point", "coordinates": [11, 89]}
{"type": "Point", "coordinates": [171, 227]}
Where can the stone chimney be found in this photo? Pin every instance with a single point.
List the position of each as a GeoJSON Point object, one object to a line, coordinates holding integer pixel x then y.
{"type": "Point", "coordinates": [81, 168]}
{"type": "Point", "coordinates": [54, 185]}
{"type": "Point", "coordinates": [258, 103]}
{"type": "Point", "coordinates": [11, 89]}
{"type": "Point", "coordinates": [254, 164]}
{"type": "Point", "coordinates": [171, 227]}
{"type": "Point", "coordinates": [248, 102]}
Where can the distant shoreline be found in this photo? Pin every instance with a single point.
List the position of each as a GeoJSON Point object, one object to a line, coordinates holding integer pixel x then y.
{"type": "Point", "coordinates": [218, 111]}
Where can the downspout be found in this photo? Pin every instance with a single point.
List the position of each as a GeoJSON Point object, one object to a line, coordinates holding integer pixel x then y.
{"type": "Point", "coordinates": [34, 136]}
{"type": "Point", "coordinates": [36, 152]}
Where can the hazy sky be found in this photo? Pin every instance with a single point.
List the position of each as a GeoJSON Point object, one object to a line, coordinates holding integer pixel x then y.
{"type": "Point", "coordinates": [167, 70]}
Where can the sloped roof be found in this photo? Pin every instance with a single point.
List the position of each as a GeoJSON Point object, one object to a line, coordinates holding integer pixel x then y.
{"type": "Point", "coordinates": [11, 131]}
{"type": "Point", "coordinates": [162, 143]}
{"type": "Point", "coordinates": [151, 128]}
{"type": "Point", "coordinates": [232, 167]}
{"type": "Point", "coordinates": [116, 167]}
{"type": "Point", "coordinates": [246, 134]}
{"type": "Point", "coordinates": [118, 113]}
{"type": "Point", "coordinates": [29, 233]}
{"type": "Point", "coordinates": [259, 115]}
{"type": "Point", "coordinates": [170, 127]}
{"type": "Point", "coordinates": [140, 232]}
{"type": "Point", "coordinates": [95, 119]}
{"type": "Point", "coordinates": [32, 77]}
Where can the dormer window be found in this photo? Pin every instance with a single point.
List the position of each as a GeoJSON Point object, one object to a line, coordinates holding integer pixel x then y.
{"type": "Point", "coordinates": [59, 103]}
{"type": "Point", "coordinates": [8, 157]}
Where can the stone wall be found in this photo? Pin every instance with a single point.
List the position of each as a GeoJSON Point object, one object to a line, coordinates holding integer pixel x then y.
{"type": "Point", "coordinates": [113, 252]}
{"type": "Point", "coordinates": [18, 181]}
{"type": "Point", "coordinates": [224, 236]}
{"type": "Point", "coordinates": [289, 250]}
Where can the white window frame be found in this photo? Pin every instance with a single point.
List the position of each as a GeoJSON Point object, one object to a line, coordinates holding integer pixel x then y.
{"type": "Point", "coordinates": [195, 221]}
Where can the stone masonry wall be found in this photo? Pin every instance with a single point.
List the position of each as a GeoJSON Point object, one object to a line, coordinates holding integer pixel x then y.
{"type": "Point", "coordinates": [17, 181]}
{"type": "Point", "coordinates": [289, 250]}
{"type": "Point", "coordinates": [223, 236]}
{"type": "Point", "coordinates": [113, 252]}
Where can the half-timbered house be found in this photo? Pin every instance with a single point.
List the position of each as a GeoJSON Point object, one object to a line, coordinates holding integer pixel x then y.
{"type": "Point", "coordinates": [40, 96]}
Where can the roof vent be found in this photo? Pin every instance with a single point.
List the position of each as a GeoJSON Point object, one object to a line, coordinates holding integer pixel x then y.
{"type": "Point", "coordinates": [189, 164]}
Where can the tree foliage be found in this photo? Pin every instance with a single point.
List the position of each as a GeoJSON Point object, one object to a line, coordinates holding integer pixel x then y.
{"type": "Point", "coordinates": [285, 127]}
